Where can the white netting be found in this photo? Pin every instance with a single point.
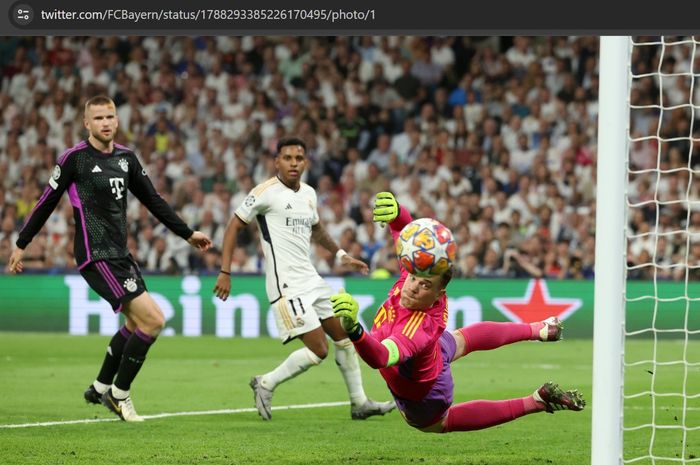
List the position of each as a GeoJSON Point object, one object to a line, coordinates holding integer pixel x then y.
{"type": "Point", "coordinates": [661, 421]}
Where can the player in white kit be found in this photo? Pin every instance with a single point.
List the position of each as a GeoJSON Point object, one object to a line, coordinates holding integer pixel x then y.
{"type": "Point", "coordinates": [286, 213]}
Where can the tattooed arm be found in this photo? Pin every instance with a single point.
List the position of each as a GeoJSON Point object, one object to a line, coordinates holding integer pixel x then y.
{"type": "Point", "coordinates": [321, 236]}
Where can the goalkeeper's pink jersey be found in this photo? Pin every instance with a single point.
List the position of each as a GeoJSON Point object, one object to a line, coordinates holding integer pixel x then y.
{"type": "Point", "coordinates": [416, 333]}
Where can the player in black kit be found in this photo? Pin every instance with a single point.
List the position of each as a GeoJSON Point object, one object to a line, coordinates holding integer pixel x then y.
{"type": "Point", "coordinates": [97, 173]}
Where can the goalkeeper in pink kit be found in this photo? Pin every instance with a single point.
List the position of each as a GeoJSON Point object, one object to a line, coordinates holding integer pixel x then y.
{"type": "Point", "coordinates": [408, 344]}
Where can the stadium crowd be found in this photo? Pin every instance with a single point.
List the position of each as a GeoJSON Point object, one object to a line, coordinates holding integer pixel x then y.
{"type": "Point", "coordinates": [494, 136]}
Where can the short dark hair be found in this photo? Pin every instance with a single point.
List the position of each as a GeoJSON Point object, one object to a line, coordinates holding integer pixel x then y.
{"type": "Point", "coordinates": [99, 100]}
{"type": "Point", "coordinates": [285, 141]}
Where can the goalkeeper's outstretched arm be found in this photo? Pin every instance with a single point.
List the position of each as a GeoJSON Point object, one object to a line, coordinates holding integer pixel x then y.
{"type": "Point", "coordinates": [376, 354]}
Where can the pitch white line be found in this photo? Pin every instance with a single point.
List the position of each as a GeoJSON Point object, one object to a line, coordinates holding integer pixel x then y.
{"type": "Point", "coordinates": [177, 414]}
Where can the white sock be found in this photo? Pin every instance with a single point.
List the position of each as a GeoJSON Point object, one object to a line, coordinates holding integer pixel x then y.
{"type": "Point", "coordinates": [346, 359]}
{"type": "Point", "coordinates": [298, 362]}
{"type": "Point", "coordinates": [100, 387]}
{"type": "Point", "coordinates": [118, 393]}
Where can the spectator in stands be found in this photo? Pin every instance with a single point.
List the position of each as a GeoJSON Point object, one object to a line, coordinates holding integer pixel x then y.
{"type": "Point", "coordinates": [486, 105]}
{"type": "Point", "coordinates": [524, 261]}
{"type": "Point", "coordinates": [381, 154]}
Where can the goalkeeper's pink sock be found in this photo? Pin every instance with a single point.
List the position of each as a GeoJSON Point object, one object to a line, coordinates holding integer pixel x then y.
{"type": "Point", "coordinates": [488, 335]}
{"type": "Point", "coordinates": [480, 414]}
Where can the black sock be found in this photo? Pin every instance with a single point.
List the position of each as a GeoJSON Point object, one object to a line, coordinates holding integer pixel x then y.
{"type": "Point", "coordinates": [113, 357]}
{"type": "Point", "coordinates": [133, 357]}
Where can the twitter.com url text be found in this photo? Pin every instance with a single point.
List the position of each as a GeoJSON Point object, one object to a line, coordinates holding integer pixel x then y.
{"type": "Point", "coordinates": [195, 15]}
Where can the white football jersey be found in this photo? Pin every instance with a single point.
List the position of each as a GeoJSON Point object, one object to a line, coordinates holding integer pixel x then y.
{"type": "Point", "coordinates": [285, 218]}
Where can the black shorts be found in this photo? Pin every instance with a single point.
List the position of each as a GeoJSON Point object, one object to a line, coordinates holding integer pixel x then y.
{"type": "Point", "coordinates": [117, 280]}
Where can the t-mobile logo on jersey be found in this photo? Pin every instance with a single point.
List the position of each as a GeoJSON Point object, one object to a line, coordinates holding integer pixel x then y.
{"type": "Point", "coordinates": [117, 187]}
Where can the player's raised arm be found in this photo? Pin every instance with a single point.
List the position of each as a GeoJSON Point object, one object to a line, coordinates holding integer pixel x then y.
{"type": "Point", "coordinates": [387, 210]}
{"type": "Point", "coordinates": [222, 288]}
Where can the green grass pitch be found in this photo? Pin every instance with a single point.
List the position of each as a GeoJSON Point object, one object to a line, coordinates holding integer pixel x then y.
{"type": "Point", "coordinates": [42, 377]}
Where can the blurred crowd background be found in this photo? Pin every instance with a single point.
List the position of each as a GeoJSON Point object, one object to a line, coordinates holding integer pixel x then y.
{"type": "Point", "coordinates": [494, 136]}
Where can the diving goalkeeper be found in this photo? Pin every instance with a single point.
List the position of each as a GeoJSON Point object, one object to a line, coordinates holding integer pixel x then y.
{"type": "Point", "coordinates": [409, 346]}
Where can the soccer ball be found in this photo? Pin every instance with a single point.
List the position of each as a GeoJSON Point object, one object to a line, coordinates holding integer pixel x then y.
{"type": "Point", "coordinates": [426, 247]}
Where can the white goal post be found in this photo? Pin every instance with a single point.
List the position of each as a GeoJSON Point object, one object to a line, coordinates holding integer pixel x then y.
{"type": "Point", "coordinates": [608, 335]}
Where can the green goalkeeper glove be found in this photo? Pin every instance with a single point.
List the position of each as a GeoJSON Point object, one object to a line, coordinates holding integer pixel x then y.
{"type": "Point", "coordinates": [386, 208]}
{"type": "Point", "coordinates": [346, 309]}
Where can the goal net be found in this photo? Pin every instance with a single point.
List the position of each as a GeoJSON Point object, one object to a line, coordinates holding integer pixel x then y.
{"type": "Point", "coordinates": [661, 395]}
{"type": "Point", "coordinates": [652, 388]}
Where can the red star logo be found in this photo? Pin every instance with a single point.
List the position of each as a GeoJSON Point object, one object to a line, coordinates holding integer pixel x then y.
{"type": "Point", "coordinates": [536, 304]}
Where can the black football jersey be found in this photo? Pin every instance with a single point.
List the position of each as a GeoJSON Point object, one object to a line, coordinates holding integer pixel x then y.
{"type": "Point", "coordinates": [97, 185]}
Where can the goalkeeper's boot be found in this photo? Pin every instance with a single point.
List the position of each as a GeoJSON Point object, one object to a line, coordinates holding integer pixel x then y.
{"type": "Point", "coordinates": [371, 408]}
{"type": "Point", "coordinates": [552, 329]}
{"type": "Point", "coordinates": [92, 396]}
{"type": "Point", "coordinates": [555, 398]}
{"type": "Point", "coordinates": [123, 408]}
{"type": "Point", "coordinates": [262, 397]}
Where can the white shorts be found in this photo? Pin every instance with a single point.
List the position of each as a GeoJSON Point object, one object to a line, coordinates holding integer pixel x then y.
{"type": "Point", "coordinates": [302, 313]}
